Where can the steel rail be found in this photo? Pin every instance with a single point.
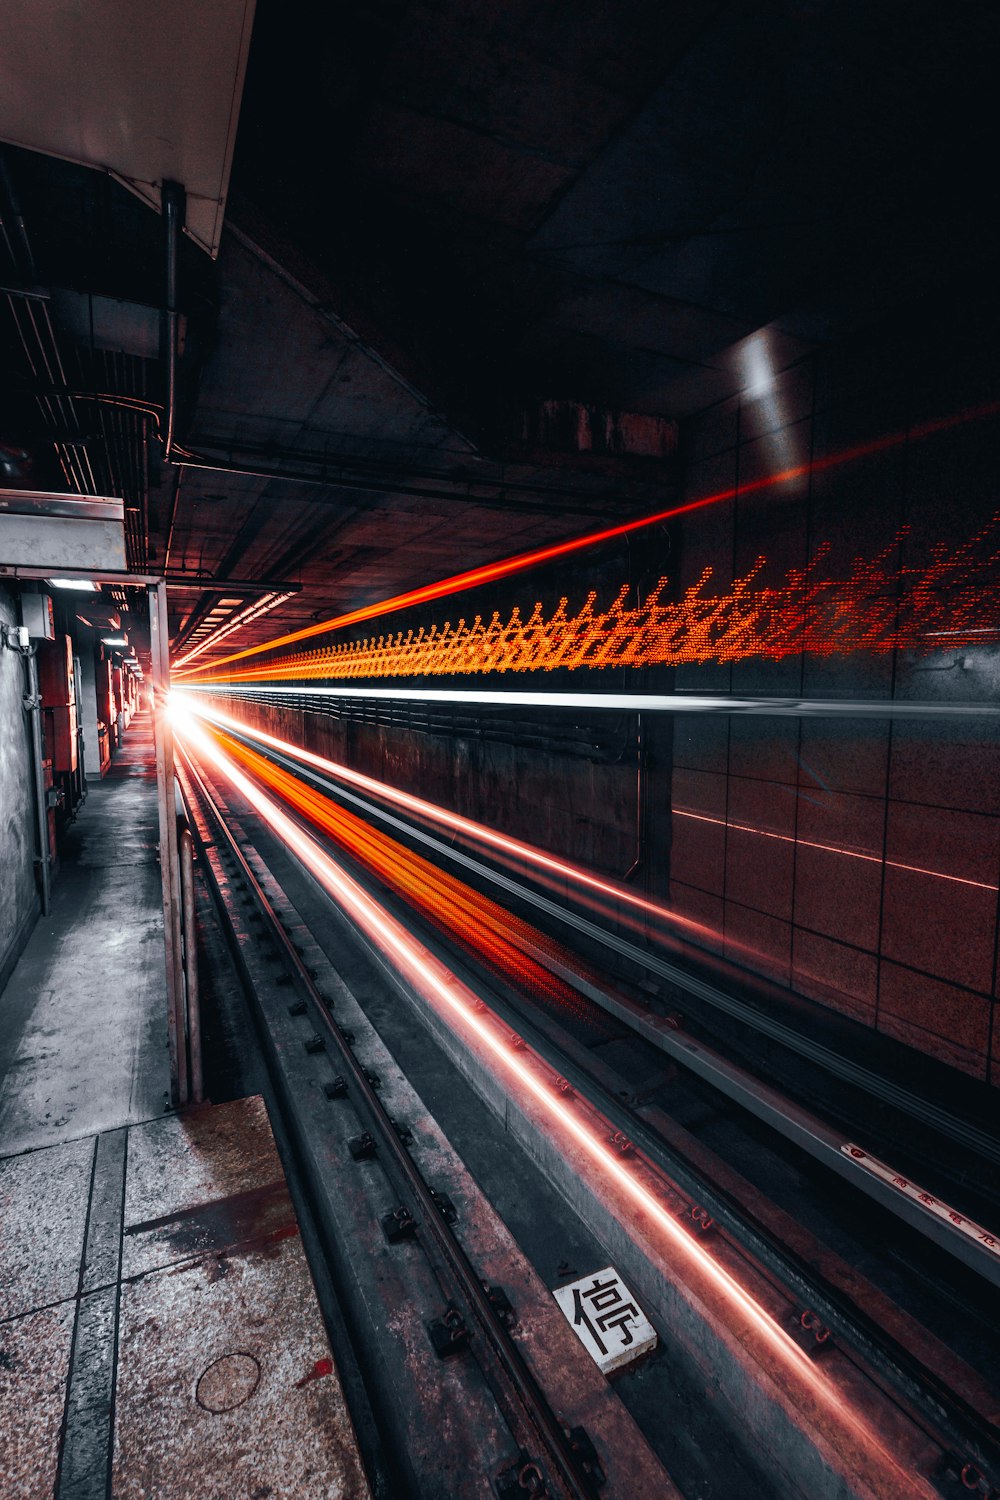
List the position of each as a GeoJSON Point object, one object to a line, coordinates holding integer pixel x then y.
{"type": "Point", "coordinates": [933, 1401]}
{"type": "Point", "coordinates": [530, 1397]}
{"type": "Point", "coordinates": [962, 1132]}
{"type": "Point", "coordinates": [946, 1416]}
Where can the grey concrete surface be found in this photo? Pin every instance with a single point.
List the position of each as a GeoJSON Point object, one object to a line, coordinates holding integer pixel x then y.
{"type": "Point", "coordinates": [226, 1387]}
{"type": "Point", "coordinates": [19, 903]}
{"type": "Point", "coordinates": [201, 1365]}
{"type": "Point", "coordinates": [83, 1043]}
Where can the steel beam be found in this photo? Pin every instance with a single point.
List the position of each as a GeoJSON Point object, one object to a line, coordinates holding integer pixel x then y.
{"type": "Point", "coordinates": [169, 862]}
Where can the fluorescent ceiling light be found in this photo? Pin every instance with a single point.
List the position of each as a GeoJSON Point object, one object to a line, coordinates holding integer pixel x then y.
{"type": "Point", "coordinates": [82, 585]}
{"type": "Point", "coordinates": [114, 640]}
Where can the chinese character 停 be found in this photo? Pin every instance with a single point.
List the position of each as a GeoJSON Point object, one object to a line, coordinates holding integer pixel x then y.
{"type": "Point", "coordinates": [607, 1310]}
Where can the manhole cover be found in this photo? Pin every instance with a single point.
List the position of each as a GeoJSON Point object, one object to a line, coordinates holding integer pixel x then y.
{"type": "Point", "coordinates": [228, 1382]}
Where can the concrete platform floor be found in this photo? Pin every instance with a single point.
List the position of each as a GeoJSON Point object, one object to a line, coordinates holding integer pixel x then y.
{"type": "Point", "coordinates": [159, 1331]}
{"type": "Point", "coordinates": [160, 1337]}
{"type": "Point", "coordinates": [83, 1033]}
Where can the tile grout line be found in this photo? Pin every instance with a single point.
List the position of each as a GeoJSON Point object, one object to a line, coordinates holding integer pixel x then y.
{"type": "Point", "coordinates": [112, 1407]}
{"type": "Point", "coordinates": [72, 1140]}
{"type": "Point", "coordinates": [77, 1298]}
{"type": "Point", "coordinates": [86, 1432]}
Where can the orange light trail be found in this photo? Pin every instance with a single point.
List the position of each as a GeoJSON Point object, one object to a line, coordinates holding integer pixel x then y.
{"type": "Point", "coordinates": [513, 850]}
{"type": "Point", "coordinates": [550, 867]}
{"type": "Point", "coordinates": [874, 608]}
{"type": "Point", "coordinates": [580, 1123]}
{"type": "Point", "coordinates": [492, 572]}
{"type": "Point", "coordinates": [482, 927]}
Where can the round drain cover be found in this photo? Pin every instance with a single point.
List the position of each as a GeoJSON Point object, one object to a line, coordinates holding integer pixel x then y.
{"type": "Point", "coordinates": [228, 1382]}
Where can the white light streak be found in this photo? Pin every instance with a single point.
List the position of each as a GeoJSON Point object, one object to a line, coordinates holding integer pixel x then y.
{"type": "Point", "coordinates": [670, 703]}
{"type": "Point", "coordinates": [439, 987]}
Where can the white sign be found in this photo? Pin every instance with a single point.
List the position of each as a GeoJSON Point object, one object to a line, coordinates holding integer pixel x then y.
{"type": "Point", "coordinates": [606, 1319]}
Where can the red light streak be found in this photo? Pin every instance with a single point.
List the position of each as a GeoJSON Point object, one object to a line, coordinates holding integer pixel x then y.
{"type": "Point", "coordinates": [874, 608]}
{"type": "Point", "coordinates": [875, 859]}
{"type": "Point", "coordinates": [492, 572]}
{"type": "Point", "coordinates": [478, 924]}
{"type": "Point", "coordinates": [581, 1123]}
{"type": "Point", "coordinates": [513, 849]}
{"type": "Point", "coordinates": [549, 867]}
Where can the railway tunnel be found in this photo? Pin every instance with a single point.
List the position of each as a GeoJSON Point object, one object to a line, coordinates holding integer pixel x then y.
{"type": "Point", "coordinates": [499, 751]}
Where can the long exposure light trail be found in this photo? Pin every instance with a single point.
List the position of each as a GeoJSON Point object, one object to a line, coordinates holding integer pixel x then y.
{"type": "Point", "coordinates": [875, 859]}
{"type": "Point", "coordinates": [492, 572]}
{"type": "Point", "coordinates": [479, 925]}
{"type": "Point", "coordinates": [875, 604]}
{"type": "Point", "coordinates": [667, 703]}
{"type": "Point", "coordinates": [436, 985]}
{"type": "Point", "coordinates": [611, 896]}
{"type": "Point", "coordinates": [611, 901]}
{"type": "Point", "coordinates": [478, 833]}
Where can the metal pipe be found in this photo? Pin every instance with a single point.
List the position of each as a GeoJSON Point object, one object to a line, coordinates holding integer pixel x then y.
{"type": "Point", "coordinates": [33, 708]}
{"type": "Point", "coordinates": [330, 477]}
{"type": "Point", "coordinates": [186, 847]}
{"type": "Point", "coordinates": [207, 583]}
{"type": "Point", "coordinates": [169, 872]}
{"type": "Point", "coordinates": [173, 218]}
{"type": "Point", "coordinates": [173, 519]}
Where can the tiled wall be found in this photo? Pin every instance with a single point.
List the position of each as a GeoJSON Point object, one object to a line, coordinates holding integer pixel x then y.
{"type": "Point", "coordinates": [804, 845]}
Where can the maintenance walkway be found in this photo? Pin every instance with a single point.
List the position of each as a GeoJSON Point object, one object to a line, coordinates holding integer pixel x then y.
{"type": "Point", "coordinates": [159, 1331]}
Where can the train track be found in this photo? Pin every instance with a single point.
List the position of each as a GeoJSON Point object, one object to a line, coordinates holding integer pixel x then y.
{"type": "Point", "coordinates": [551, 1457]}
{"type": "Point", "coordinates": [953, 1421]}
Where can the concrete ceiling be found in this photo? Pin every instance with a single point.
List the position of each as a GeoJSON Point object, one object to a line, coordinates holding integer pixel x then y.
{"type": "Point", "coordinates": [147, 92]}
{"type": "Point", "coordinates": [600, 200]}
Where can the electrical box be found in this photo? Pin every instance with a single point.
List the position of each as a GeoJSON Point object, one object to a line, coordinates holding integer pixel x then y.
{"type": "Point", "coordinates": [37, 616]}
{"type": "Point", "coordinates": [58, 689]}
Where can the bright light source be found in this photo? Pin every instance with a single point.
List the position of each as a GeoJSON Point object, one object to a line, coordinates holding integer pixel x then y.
{"type": "Point", "coordinates": [178, 712]}
{"type": "Point", "coordinates": [757, 369]}
{"type": "Point", "coordinates": [81, 585]}
{"type": "Point", "coordinates": [114, 640]}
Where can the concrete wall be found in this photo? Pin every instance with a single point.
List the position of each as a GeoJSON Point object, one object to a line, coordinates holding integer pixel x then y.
{"type": "Point", "coordinates": [563, 803]}
{"type": "Point", "coordinates": [19, 903]}
{"type": "Point", "coordinates": [857, 861]}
